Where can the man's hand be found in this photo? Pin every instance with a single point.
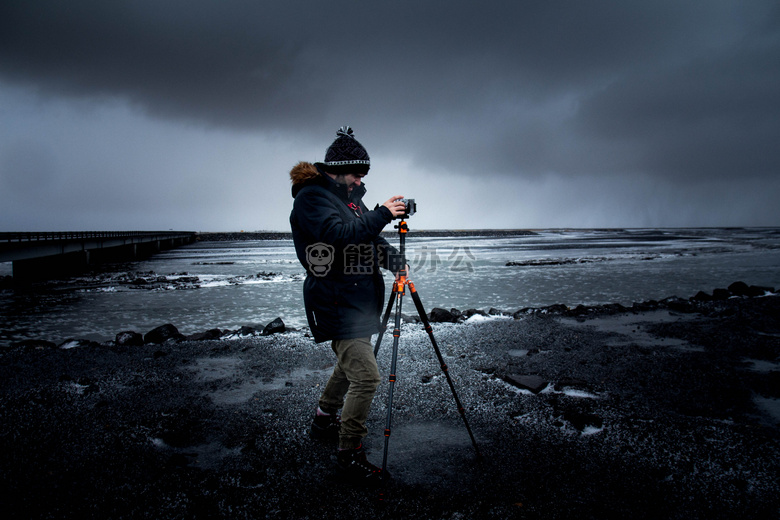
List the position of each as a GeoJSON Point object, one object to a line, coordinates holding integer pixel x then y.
{"type": "Point", "coordinates": [396, 207]}
{"type": "Point", "coordinates": [398, 274]}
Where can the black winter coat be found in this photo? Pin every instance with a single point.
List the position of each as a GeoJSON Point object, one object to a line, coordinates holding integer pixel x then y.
{"type": "Point", "coordinates": [337, 241]}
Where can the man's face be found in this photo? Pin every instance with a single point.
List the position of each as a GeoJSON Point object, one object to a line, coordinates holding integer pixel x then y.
{"type": "Point", "coordinates": [350, 179]}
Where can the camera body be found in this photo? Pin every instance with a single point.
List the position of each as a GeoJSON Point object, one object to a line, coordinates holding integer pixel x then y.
{"type": "Point", "coordinates": [410, 207]}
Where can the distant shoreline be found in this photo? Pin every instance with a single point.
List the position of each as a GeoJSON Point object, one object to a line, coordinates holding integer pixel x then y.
{"type": "Point", "coordinates": [217, 236]}
{"type": "Point", "coordinates": [280, 235]}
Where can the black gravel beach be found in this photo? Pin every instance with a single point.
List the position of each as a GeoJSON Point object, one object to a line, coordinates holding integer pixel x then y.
{"type": "Point", "coordinates": [664, 410]}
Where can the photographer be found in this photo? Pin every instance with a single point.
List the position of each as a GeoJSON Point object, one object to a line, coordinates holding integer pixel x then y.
{"type": "Point", "coordinates": [337, 241]}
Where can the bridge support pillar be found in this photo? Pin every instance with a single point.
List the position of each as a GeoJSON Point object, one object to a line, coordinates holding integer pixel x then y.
{"type": "Point", "coordinates": [48, 267]}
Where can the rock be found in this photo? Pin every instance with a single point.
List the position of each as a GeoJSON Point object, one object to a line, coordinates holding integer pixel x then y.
{"type": "Point", "coordinates": [162, 334]}
{"type": "Point", "coordinates": [678, 304]}
{"type": "Point", "coordinates": [186, 279]}
{"type": "Point", "coordinates": [644, 306]}
{"type": "Point", "coordinates": [702, 296]}
{"type": "Point", "coordinates": [738, 289]}
{"type": "Point", "coordinates": [525, 311]}
{"type": "Point", "coordinates": [406, 319]}
{"type": "Point", "coordinates": [468, 313]}
{"type": "Point", "coordinates": [274, 327]}
{"type": "Point", "coordinates": [721, 294]}
{"type": "Point", "coordinates": [439, 315]}
{"type": "Point", "coordinates": [494, 312]}
{"type": "Point", "coordinates": [246, 330]}
{"type": "Point", "coordinates": [751, 291]}
{"type": "Point", "coordinates": [558, 308]}
{"type": "Point", "coordinates": [209, 334]}
{"type": "Point", "coordinates": [129, 338]}
{"type": "Point", "coordinates": [579, 310]}
{"type": "Point", "coordinates": [527, 382]}
{"type": "Point", "coordinates": [614, 308]}
{"type": "Point", "coordinates": [761, 290]}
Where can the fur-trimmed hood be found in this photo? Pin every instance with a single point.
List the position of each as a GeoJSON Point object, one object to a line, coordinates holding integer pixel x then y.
{"type": "Point", "coordinates": [305, 173]}
{"type": "Point", "coordinates": [302, 172]}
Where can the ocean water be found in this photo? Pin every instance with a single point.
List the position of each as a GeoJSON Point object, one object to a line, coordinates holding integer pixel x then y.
{"type": "Point", "coordinates": [228, 285]}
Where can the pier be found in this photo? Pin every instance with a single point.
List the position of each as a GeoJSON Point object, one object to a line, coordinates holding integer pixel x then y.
{"type": "Point", "coordinates": [45, 255]}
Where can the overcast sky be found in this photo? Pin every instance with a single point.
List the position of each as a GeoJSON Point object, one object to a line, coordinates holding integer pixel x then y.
{"type": "Point", "coordinates": [188, 115]}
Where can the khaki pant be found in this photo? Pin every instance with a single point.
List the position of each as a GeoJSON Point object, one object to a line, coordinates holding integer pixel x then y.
{"type": "Point", "coordinates": [352, 385]}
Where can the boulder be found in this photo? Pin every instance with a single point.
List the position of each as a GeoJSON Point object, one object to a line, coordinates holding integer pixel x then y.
{"type": "Point", "coordinates": [678, 304]}
{"type": "Point", "coordinates": [439, 315]}
{"type": "Point", "coordinates": [525, 311]}
{"type": "Point", "coordinates": [274, 327]}
{"type": "Point", "coordinates": [721, 294]}
{"type": "Point", "coordinates": [558, 308]}
{"type": "Point", "coordinates": [129, 338]}
{"type": "Point", "coordinates": [407, 318]}
{"type": "Point", "coordinates": [579, 310]}
{"type": "Point", "coordinates": [751, 291]}
{"type": "Point", "coordinates": [209, 334]}
{"type": "Point", "coordinates": [468, 313]}
{"type": "Point", "coordinates": [162, 334]}
{"type": "Point", "coordinates": [246, 330]}
{"type": "Point", "coordinates": [614, 308]}
{"type": "Point", "coordinates": [739, 288]}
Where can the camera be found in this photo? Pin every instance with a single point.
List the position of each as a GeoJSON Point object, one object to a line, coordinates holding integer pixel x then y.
{"type": "Point", "coordinates": [410, 207]}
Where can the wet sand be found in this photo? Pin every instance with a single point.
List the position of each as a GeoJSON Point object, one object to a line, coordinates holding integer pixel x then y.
{"type": "Point", "coordinates": [668, 411]}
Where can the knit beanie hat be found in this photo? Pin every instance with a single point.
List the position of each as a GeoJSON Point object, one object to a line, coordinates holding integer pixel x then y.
{"type": "Point", "coordinates": [346, 154]}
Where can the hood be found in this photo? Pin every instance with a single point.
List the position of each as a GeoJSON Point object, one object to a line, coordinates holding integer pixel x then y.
{"type": "Point", "coordinates": [302, 174]}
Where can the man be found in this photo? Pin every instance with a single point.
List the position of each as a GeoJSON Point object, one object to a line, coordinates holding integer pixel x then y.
{"type": "Point", "coordinates": [337, 240]}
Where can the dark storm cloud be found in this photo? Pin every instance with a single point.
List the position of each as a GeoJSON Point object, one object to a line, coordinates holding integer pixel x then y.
{"type": "Point", "coordinates": [680, 89]}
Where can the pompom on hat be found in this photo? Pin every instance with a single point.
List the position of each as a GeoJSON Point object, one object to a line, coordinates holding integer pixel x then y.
{"type": "Point", "coordinates": [346, 155]}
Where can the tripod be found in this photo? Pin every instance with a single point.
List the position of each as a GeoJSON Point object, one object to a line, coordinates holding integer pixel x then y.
{"type": "Point", "coordinates": [397, 296]}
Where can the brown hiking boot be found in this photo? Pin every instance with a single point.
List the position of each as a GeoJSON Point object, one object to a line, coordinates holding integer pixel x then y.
{"type": "Point", "coordinates": [326, 426]}
{"type": "Point", "coordinates": [357, 468]}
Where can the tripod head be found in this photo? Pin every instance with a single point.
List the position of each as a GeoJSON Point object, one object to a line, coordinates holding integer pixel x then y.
{"type": "Point", "coordinates": [402, 227]}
